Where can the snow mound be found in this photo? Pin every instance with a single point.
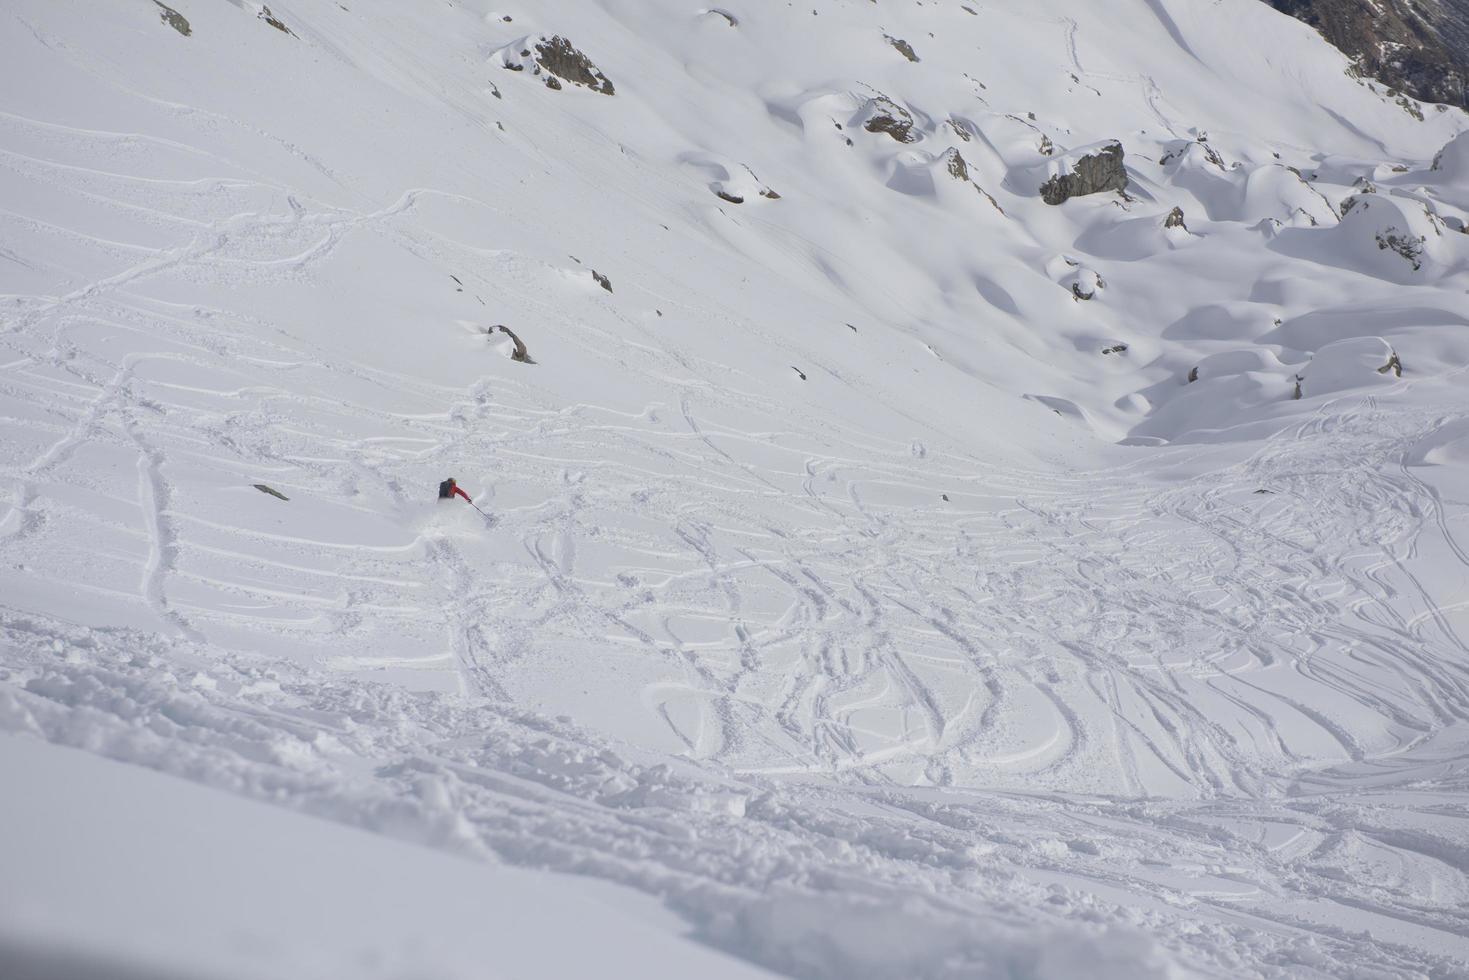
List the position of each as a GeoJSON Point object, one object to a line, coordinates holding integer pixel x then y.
{"type": "Point", "coordinates": [1344, 365]}
{"type": "Point", "coordinates": [1391, 237]}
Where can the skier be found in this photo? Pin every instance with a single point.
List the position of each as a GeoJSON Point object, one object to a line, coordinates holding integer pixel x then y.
{"type": "Point", "coordinates": [448, 489]}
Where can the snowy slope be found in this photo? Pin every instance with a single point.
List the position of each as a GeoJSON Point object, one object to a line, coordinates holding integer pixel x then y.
{"type": "Point", "coordinates": [132, 853]}
{"type": "Point", "coordinates": [853, 584]}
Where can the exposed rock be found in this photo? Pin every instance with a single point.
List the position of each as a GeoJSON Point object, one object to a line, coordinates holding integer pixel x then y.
{"type": "Point", "coordinates": [1408, 246]}
{"type": "Point", "coordinates": [1193, 375]}
{"type": "Point", "coordinates": [174, 19]}
{"type": "Point", "coordinates": [904, 48]}
{"type": "Point", "coordinates": [273, 21]}
{"type": "Point", "coordinates": [602, 280]}
{"type": "Point", "coordinates": [1090, 174]}
{"type": "Point", "coordinates": [728, 17]}
{"type": "Point", "coordinates": [772, 195]}
{"type": "Point", "coordinates": [886, 116]}
{"type": "Point", "coordinates": [270, 490]}
{"type": "Point", "coordinates": [1175, 219]}
{"type": "Point", "coordinates": [1418, 46]}
{"type": "Point", "coordinates": [556, 61]}
{"type": "Point", "coordinates": [520, 353]}
{"type": "Point", "coordinates": [560, 59]}
{"type": "Point", "coordinates": [955, 165]}
{"type": "Point", "coordinates": [731, 198]}
{"type": "Point", "coordinates": [1393, 364]}
{"type": "Point", "coordinates": [1115, 349]}
{"type": "Point", "coordinates": [958, 168]}
{"type": "Point", "coordinates": [1047, 148]}
{"type": "Point", "coordinates": [799, 372]}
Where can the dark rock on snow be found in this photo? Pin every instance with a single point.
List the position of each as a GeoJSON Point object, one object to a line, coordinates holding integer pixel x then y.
{"type": "Point", "coordinates": [954, 163]}
{"type": "Point", "coordinates": [274, 21]}
{"type": "Point", "coordinates": [904, 48]}
{"type": "Point", "coordinates": [886, 116]}
{"type": "Point", "coordinates": [1091, 174]}
{"type": "Point", "coordinates": [559, 58]}
{"type": "Point", "coordinates": [557, 61]}
{"type": "Point", "coordinates": [174, 19]}
{"type": "Point", "coordinates": [519, 354]}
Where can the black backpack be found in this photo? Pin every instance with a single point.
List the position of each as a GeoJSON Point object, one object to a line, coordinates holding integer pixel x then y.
{"type": "Point", "coordinates": [446, 489]}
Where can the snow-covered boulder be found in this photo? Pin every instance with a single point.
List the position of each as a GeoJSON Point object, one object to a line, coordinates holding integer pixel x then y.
{"type": "Point", "coordinates": [727, 179]}
{"type": "Point", "coordinates": [1085, 283]}
{"type": "Point", "coordinates": [1452, 162]}
{"type": "Point", "coordinates": [1356, 362]}
{"type": "Point", "coordinates": [1399, 239]}
{"type": "Point", "coordinates": [1274, 191]}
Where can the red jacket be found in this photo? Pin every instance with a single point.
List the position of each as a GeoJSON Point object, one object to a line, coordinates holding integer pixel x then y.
{"type": "Point", "coordinates": [460, 491]}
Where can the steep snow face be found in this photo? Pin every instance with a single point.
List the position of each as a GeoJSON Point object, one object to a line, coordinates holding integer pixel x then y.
{"type": "Point", "coordinates": [894, 572]}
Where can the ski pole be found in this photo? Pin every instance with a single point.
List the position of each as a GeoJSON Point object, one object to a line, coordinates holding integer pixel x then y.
{"type": "Point", "coordinates": [481, 513]}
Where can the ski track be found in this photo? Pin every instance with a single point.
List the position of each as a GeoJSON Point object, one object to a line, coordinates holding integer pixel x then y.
{"type": "Point", "coordinates": [798, 669]}
{"type": "Point", "coordinates": [1245, 692]}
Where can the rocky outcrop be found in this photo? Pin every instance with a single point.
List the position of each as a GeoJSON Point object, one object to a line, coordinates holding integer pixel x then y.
{"type": "Point", "coordinates": [955, 165]}
{"type": "Point", "coordinates": [518, 353]}
{"type": "Point", "coordinates": [1091, 173]}
{"type": "Point", "coordinates": [1406, 244]}
{"type": "Point", "coordinates": [174, 19]}
{"type": "Point", "coordinates": [886, 116]}
{"type": "Point", "coordinates": [903, 47]}
{"type": "Point", "coordinates": [1175, 219]}
{"type": "Point", "coordinates": [1420, 47]}
{"type": "Point", "coordinates": [275, 21]}
{"type": "Point", "coordinates": [559, 58]}
{"type": "Point", "coordinates": [557, 62]}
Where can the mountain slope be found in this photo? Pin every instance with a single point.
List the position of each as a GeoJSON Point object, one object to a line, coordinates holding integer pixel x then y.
{"type": "Point", "coordinates": [1422, 48]}
{"type": "Point", "coordinates": [894, 573]}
